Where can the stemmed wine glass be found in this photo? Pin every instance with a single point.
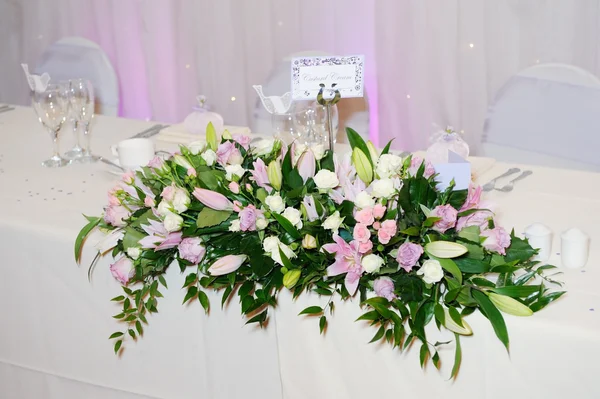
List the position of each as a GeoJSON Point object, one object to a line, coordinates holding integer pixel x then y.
{"type": "Point", "coordinates": [310, 123]}
{"type": "Point", "coordinates": [52, 108]}
{"type": "Point", "coordinates": [82, 102]}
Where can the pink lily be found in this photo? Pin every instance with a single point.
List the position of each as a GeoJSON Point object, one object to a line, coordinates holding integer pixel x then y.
{"type": "Point", "coordinates": [158, 237]}
{"type": "Point", "coordinates": [473, 198]}
{"type": "Point", "coordinates": [311, 209]}
{"type": "Point", "coordinates": [307, 165]}
{"type": "Point", "coordinates": [260, 175]}
{"type": "Point", "coordinates": [347, 260]}
{"type": "Point", "coordinates": [226, 265]}
{"type": "Point", "coordinates": [212, 199]}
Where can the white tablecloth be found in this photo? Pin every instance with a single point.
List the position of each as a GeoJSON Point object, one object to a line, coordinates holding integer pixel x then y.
{"type": "Point", "coordinates": [55, 324]}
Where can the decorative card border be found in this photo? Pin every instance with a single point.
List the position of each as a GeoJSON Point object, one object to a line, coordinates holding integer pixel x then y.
{"type": "Point", "coordinates": [300, 91]}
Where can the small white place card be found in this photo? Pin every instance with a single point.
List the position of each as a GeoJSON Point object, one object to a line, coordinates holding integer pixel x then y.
{"type": "Point", "coordinates": [346, 72]}
{"type": "Point", "coordinates": [457, 168]}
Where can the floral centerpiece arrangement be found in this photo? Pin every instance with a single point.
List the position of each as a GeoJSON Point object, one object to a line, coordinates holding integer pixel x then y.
{"type": "Point", "coordinates": [253, 219]}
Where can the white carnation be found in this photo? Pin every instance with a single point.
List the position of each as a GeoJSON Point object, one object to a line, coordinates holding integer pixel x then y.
{"type": "Point", "coordinates": [261, 223]}
{"type": "Point", "coordinates": [164, 208]}
{"type": "Point", "coordinates": [272, 245]}
{"type": "Point", "coordinates": [388, 165]}
{"type": "Point", "coordinates": [181, 200]}
{"type": "Point", "coordinates": [196, 147]}
{"type": "Point", "coordinates": [294, 216]}
{"type": "Point", "coordinates": [263, 147]}
{"type": "Point", "coordinates": [173, 222]}
{"type": "Point", "coordinates": [372, 263]}
{"type": "Point", "coordinates": [326, 179]}
{"type": "Point", "coordinates": [234, 170]}
{"type": "Point", "coordinates": [210, 157]}
{"type": "Point", "coordinates": [134, 252]}
{"type": "Point", "coordinates": [364, 200]}
{"type": "Point", "coordinates": [318, 151]}
{"type": "Point", "coordinates": [235, 225]}
{"type": "Point", "coordinates": [333, 222]}
{"type": "Point", "coordinates": [431, 271]}
{"type": "Point", "coordinates": [383, 188]}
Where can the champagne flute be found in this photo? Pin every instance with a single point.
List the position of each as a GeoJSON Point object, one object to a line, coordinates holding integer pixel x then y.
{"type": "Point", "coordinates": [75, 102]}
{"type": "Point", "coordinates": [81, 95]}
{"type": "Point", "coordinates": [52, 108]}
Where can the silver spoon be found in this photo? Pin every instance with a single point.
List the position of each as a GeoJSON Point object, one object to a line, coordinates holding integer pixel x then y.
{"type": "Point", "coordinates": [111, 163]}
{"type": "Point", "coordinates": [489, 186]}
{"type": "Point", "coordinates": [511, 184]}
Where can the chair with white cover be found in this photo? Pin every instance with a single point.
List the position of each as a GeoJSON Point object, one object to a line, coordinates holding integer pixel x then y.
{"type": "Point", "coordinates": [353, 112]}
{"type": "Point", "coordinates": [76, 57]}
{"type": "Point", "coordinates": [548, 115]}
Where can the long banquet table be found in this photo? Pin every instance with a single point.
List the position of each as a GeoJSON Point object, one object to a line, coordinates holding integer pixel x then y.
{"type": "Point", "coordinates": [54, 323]}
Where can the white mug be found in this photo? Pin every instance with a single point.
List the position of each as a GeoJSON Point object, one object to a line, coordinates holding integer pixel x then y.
{"type": "Point", "coordinates": [575, 245]}
{"type": "Point", "coordinates": [540, 237]}
{"type": "Point", "coordinates": [134, 153]}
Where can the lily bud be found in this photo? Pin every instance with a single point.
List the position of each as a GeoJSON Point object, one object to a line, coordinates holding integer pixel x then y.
{"type": "Point", "coordinates": [309, 242]}
{"type": "Point", "coordinates": [227, 135]}
{"type": "Point", "coordinates": [510, 305]}
{"type": "Point", "coordinates": [372, 152]}
{"type": "Point", "coordinates": [274, 174]}
{"type": "Point", "coordinates": [182, 161]}
{"type": "Point", "coordinates": [445, 249]}
{"type": "Point", "coordinates": [227, 264]}
{"type": "Point", "coordinates": [362, 165]}
{"type": "Point", "coordinates": [451, 325]}
{"type": "Point", "coordinates": [307, 165]}
{"type": "Point", "coordinates": [211, 137]}
{"type": "Point", "coordinates": [212, 199]}
{"type": "Point", "coordinates": [291, 278]}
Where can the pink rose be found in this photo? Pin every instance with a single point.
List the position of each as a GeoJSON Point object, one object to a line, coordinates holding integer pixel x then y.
{"type": "Point", "coordinates": [473, 198]}
{"type": "Point", "coordinates": [378, 211]}
{"type": "Point", "coordinates": [408, 255]}
{"type": "Point", "coordinates": [497, 240]}
{"type": "Point", "coordinates": [115, 214]}
{"type": "Point", "coordinates": [192, 250]}
{"type": "Point", "coordinates": [361, 233]}
{"type": "Point", "coordinates": [168, 193]}
{"type": "Point", "coordinates": [156, 163]}
{"type": "Point", "coordinates": [123, 270]}
{"type": "Point", "coordinates": [234, 187]}
{"type": "Point", "coordinates": [228, 153]}
{"type": "Point", "coordinates": [415, 164]}
{"type": "Point", "coordinates": [113, 199]}
{"type": "Point", "coordinates": [149, 201]}
{"type": "Point", "coordinates": [242, 140]}
{"type": "Point", "coordinates": [384, 287]}
{"type": "Point", "coordinates": [365, 216]}
{"type": "Point", "coordinates": [365, 247]}
{"type": "Point", "coordinates": [387, 231]}
{"type": "Point", "coordinates": [237, 206]}
{"type": "Point", "coordinates": [448, 217]}
{"type": "Point", "coordinates": [128, 177]}
{"type": "Point", "coordinates": [192, 172]}
{"type": "Point", "coordinates": [475, 219]}
{"type": "Point", "coordinates": [377, 225]}
{"type": "Point", "coordinates": [248, 217]}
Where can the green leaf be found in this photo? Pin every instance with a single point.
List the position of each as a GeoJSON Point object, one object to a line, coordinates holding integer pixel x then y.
{"type": "Point", "coordinates": [519, 250]}
{"type": "Point", "coordinates": [211, 137]}
{"type": "Point", "coordinates": [131, 333]}
{"type": "Point", "coordinates": [470, 233]}
{"type": "Point", "coordinates": [440, 316]}
{"type": "Point", "coordinates": [494, 315]}
{"type": "Point", "coordinates": [259, 318]}
{"type": "Point", "coordinates": [322, 324]}
{"type": "Point", "coordinates": [468, 265]}
{"type": "Point", "coordinates": [386, 149]}
{"type": "Point", "coordinates": [411, 231]}
{"type": "Point", "coordinates": [520, 291]}
{"type": "Point", "coordinates": [370, 316]}
{"type": "Point", "coordinates": [93, 222]}
{"type": "Point", "coordinates": [131, 238]}
{"type": "Point", "coordinates": [209, 217]}
{"type": "Point", "coordinates": [357, 142]}
{"type": "Point", "coordinates": [327, 162]}
{"type": "Point", "coordinates": [210, 178]}
{"type": "Point", "coordinates": [455, 316]}
{"type": "Point", "coordinates": [162, 281]}
{"type": "Point", "coordinates": [118, 298]}
{"type": "Point", "coordinates": [544, 301]}
{"type": "Point", "coordinates": [118, 345]}
{"type": "Point", "coordinates": [261, 265]}
{"type": "Point", "coordinates": [191, 292]}
{"type": "Point", "coordinates": [203, 298]}
{"type": "Point", "coordinates": [312, 310]}
{"type": "Point", "coordinates": [452, 268]}
{"type": "Point", "coordinates": [424, 352]}
{"type": "Point", "coordinates": [378, 335]}
{"type": "Point", "coordinates": [287, 226]}
{"type": "Point", "coordinates": [116, 335]}
{"type": "Point", "coordinates": [138, 327]}
{"type": "Point", "coordinates": [436, 360]}
{"type": "Point", "coordinates": [457, 357]}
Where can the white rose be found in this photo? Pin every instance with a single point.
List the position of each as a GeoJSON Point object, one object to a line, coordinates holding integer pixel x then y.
{"type": "Point", "coordinates": [388, 165]}
{"type": "Point", "coordinates": [210, 157]}
{"type": "Point", "coordinates": [235, 159]}
{"type": "Point", "coordinates": [318, 151]}
{"type": "Point", "coordinates": [275, 203]}
{"type": "Point", "coordinates": [134, 252]}
{"type": "Point", "coordinates": [372, 263]}
{"type": "Point", "coordinates": [263, 147]}
{"type": "Point", "coordinates": [383, 188]}
{"type": "Point", "coordinates": [173, 222]}
{"type": "Point", "coordinates": [325, 179]}
{"type": "Point", "coordinates": [272, 245]}
{"type": "Point", "coordinates": [431, 271]}
{"type": "Point", "coordinates": [364, 200]}
{"type": "Point", "coordinates": [164, 208]}
{"type": "Point", "coordinates": [235, 225]}
{"type": "Point", "coordinates": [181, 200]}
{"type": "Point", "coordinates": [294, 216]}
{"type": "Point", "coordinates": [234, 170]}
{"type": "Point", "coordinates": [261, 223]}
{"type": "Point", "coordinates": [196, 147]}
{"type": "Point", "coordinates": [333, 222]}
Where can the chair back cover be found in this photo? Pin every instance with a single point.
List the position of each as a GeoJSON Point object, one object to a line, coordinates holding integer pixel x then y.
{"type": "Point", "coordinates": [76, 57]}
{"type": "Point", "coordinates": [547, 115]}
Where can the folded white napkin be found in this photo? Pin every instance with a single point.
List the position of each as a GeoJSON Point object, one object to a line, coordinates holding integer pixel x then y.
{"type": "Point", "coordinates": [178, 134]}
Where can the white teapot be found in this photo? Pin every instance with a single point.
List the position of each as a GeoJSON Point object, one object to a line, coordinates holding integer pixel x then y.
{"type": "Point", "coordinates": [197, 121]}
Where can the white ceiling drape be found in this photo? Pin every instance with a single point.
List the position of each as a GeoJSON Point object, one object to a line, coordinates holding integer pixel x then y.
{"type": "Point", "coordinates": [428, 62]}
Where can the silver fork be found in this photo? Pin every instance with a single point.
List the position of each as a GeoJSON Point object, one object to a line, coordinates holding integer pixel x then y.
{"type": "Point", "coordinates": [511, 184]}
{"type": "Point", "coordinates": [489, 186]}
